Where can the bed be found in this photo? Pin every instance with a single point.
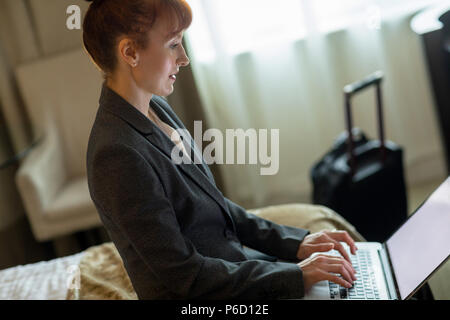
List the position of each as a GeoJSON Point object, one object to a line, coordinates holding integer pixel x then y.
{"type": "Point", "coordinates": [44, 280]}
{"type": "Point", "coordinates": [98, 272]}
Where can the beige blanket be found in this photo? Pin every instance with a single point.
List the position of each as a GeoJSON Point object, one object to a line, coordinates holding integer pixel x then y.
{"type": "Point", "coordinates": [103, 276]}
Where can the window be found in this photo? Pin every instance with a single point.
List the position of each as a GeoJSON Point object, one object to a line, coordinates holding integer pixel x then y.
{"type": "Point", "coordinates": [235, 26]}
{"type": "Point", "coordinates": [334, 15]}
{"type": "Point", "coordinates": [246, 24]}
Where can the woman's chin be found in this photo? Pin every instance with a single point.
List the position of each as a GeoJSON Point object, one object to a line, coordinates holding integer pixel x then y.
{"type": "Point", "coordinates": [168, 91]}
{"type": "Point", "coordinates": [163, 92]}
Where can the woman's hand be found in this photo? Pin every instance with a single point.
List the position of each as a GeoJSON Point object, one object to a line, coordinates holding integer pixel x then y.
{"type": "Point", "coordinates": [322, 267]}
{"type": "Point", "coordinates": [325, 241]}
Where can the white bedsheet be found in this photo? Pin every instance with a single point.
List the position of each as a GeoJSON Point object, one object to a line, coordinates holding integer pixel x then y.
{"type": "Point", "coordinates": [46, 280]}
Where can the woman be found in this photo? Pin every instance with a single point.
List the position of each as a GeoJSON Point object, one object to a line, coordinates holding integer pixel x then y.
{"type": "Point", "coordinates": [178, 236]}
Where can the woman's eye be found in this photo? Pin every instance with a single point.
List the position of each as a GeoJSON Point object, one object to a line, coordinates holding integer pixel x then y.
{"type": "Point", "coordinates": [174, 45]}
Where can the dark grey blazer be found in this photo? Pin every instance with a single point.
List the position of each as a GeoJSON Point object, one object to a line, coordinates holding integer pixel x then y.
{"type": "Point", "coordinates": [178, 236]}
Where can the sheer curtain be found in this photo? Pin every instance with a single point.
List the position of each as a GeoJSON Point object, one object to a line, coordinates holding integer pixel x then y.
{"type": "Point", "coordinates": [282, 65]}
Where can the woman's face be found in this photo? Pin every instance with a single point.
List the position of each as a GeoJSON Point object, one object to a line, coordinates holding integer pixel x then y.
{"type": "Point", "coordinates": [159, 63]}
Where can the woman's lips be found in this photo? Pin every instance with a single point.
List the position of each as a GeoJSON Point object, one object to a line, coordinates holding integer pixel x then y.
{"type": "Point", "coordinates": [173, 77]}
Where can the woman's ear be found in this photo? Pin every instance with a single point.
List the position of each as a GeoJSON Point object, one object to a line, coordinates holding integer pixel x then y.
{"type": "Point", "coordinates": [127, 52]}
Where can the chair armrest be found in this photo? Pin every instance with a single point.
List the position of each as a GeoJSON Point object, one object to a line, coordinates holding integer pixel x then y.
{"type": "Point", "coordinates": [41, 174]}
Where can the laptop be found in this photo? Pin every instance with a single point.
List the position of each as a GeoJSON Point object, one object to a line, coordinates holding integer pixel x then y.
{"type": "Point", "coordinates": [397, 268]}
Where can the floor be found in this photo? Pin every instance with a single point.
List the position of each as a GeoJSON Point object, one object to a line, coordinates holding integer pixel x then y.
{"type": "Point", "coordinates": [440, 281]}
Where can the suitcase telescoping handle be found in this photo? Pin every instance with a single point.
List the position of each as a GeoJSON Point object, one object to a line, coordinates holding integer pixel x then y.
{"type": "Point", "coordinates": [350, 90]}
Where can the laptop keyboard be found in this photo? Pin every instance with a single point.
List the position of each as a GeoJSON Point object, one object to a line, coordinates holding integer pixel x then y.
{"type": "Point", "coordinates": [365, 287]}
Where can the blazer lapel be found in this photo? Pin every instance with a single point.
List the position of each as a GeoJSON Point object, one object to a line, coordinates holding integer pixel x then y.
{"type": "Point", "coordinates": [114, 103]}
{"type": "Point", "coordinates": [165, 145]}
{"type": "Point", "coordinates": [200, 177]}
{"type": "Point", "coordinates": [171, 118]}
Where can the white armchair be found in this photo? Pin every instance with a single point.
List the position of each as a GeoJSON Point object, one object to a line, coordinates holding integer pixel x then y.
{"type": "Point", "coordinates": [61, 97]}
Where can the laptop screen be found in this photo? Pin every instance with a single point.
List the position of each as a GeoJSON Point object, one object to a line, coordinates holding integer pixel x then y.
{"type": "Point", "coordinates": [423, 242]}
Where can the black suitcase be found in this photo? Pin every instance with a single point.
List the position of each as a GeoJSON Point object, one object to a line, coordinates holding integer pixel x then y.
{"type": "Point", "coordinates": [363, 179]}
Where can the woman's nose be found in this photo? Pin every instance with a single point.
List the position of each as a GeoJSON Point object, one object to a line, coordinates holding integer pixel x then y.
{"type": "Point", "coordinates": [184, 59]}
{"type": "Point", "coordinates": [183, 62]}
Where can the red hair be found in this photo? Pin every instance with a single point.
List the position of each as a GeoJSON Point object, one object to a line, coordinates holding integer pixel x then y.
{"type": "Point", "coordinates": [107, 20]}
